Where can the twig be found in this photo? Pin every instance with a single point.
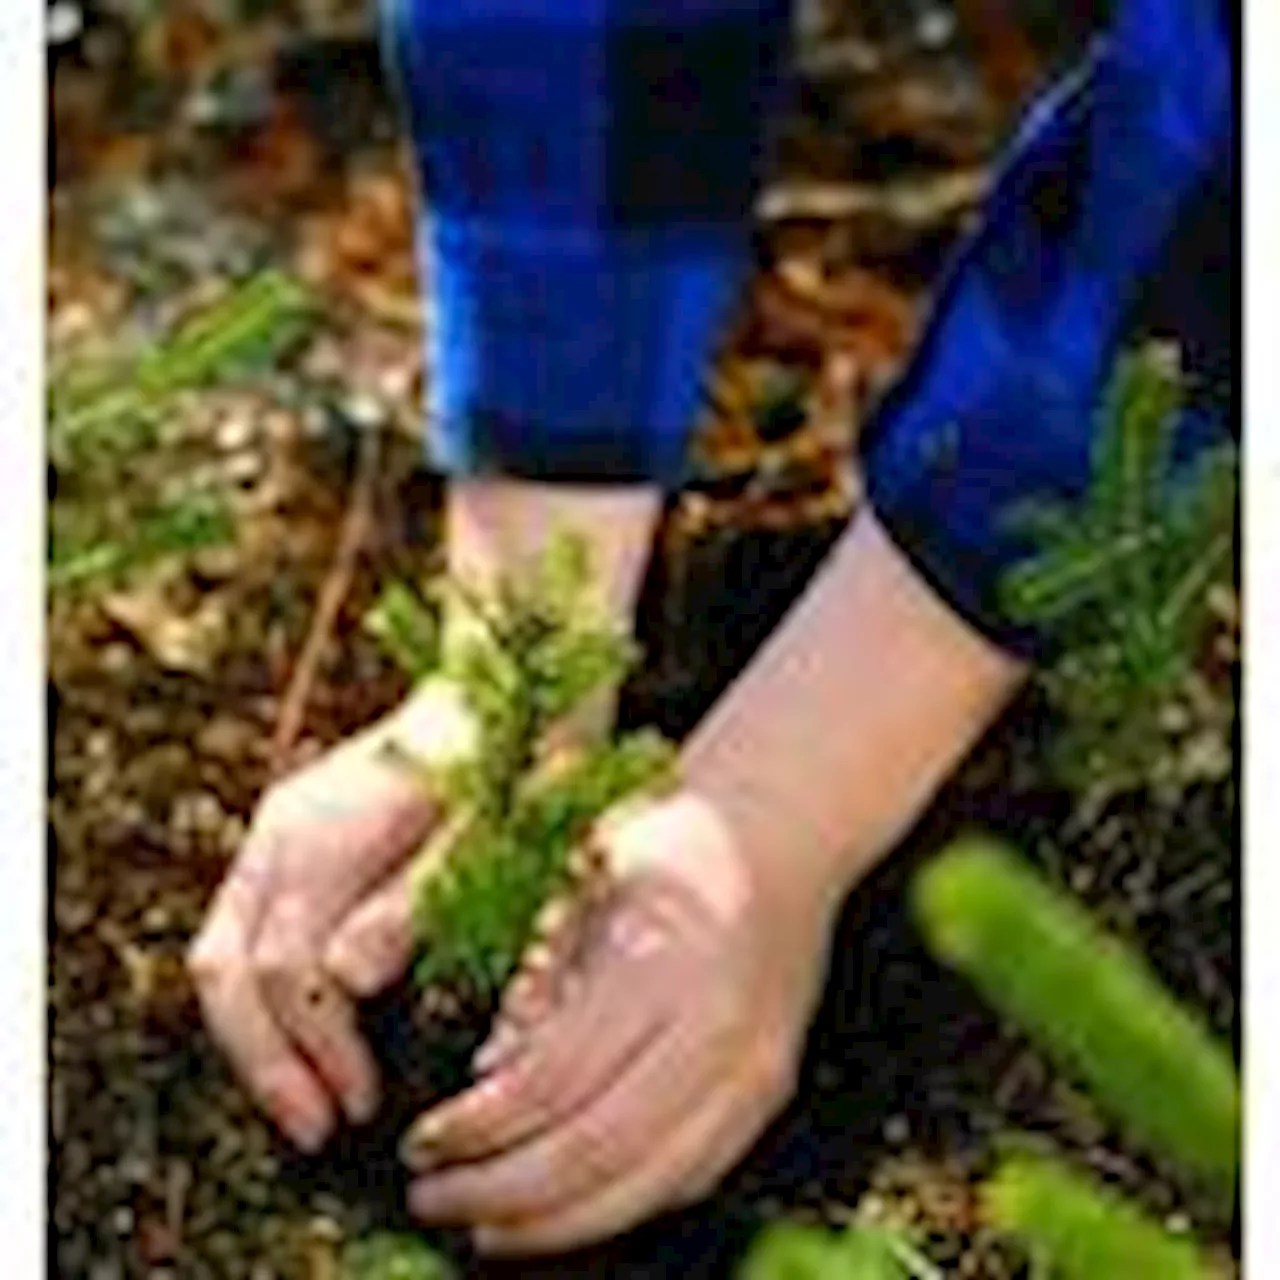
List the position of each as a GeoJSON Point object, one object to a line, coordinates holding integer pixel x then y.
{"type": "Point", "coordinates": [355, 532]}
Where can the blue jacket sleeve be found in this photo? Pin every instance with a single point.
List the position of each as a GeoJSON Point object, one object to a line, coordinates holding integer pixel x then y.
{"type": "Point", "coordinates": [587, 168]}
{"type": "Point", "coordinates": [1112, 216]}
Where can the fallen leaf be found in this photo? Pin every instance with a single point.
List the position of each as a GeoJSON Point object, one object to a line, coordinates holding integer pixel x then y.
{"type": "Point", "coordinates": [186, 644]}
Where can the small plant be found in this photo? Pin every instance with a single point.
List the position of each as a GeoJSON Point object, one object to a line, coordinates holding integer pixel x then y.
{"type": "Point", "coordinates": [1091, 1004]}
{"type": "Point", "coordinates": [790, 1251]}
{"type": "Point", "coordinates": [1083, 1232]}
{"type": "Point", "coordinates": [1126, 583]}
{"type": "Point", "coordinates": [111, 513]}
{"type": "Point", "coordinates": [537, 651]}
{"type": "Point", "coordinates": [391, 1256]}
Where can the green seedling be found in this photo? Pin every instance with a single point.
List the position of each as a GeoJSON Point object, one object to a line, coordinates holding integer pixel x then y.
{"type": "Point", "coordinates": [791, 1251]}
{"type": "Point", "coordinates": [111, 514]}
{"type": "Point", "coordinates": [1122, 584]}
{"type": "Point", "coordinates": [1081, 1230]}
{"type": "Point", "coordinates": [391, 1256]}
{"type": "Point", "coordinates": [535, 651]}
{"type": "Point", "coordinates": [1092, 1004]}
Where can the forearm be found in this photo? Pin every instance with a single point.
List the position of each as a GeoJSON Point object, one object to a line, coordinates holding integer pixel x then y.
{"type": "Point", "coordinates": [900, 654]}
{"type": "Point", "coordinates": [835, 738]}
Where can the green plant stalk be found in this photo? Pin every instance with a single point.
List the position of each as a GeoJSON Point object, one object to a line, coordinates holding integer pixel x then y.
{"type": "Point", "coordinates": [1119, 579]}
{"type": "Point", "coordinates": [391, 1256]}
{"type": "Point", "coordinates": [1083, 1231]}
{"type": "Point", "coordinates": [1090, 1003]}
{"type": "Point", "coordinates": [791, 1251]}
{"type": "Point", "coordinates": [401, 623]}
{"type": "Point", "coordinates": [184, 527]}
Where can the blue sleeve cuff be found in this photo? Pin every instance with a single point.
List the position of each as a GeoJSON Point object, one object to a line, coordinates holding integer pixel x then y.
{"type": "Point", "coordinates": [1000, 402]}
{"type": "Point", "coordinates": [577, 361]}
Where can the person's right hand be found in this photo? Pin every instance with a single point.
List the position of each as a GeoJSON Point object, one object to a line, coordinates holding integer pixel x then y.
{"type": "Point", "coordinates": [309, 920]}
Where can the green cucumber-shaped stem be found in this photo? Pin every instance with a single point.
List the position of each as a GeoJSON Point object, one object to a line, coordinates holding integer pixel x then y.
{"type": "Point", "coordinates": [792, 1251]}
{"type": "Point", "coordinates": [391, 1256]}
{"type": "Point", "coordinates": [1082, 1230]}
{"type": "Point", "coordinates": [1091, 1004]}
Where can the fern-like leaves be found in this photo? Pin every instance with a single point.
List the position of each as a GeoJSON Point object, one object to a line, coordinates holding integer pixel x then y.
{"type": "Point", "coordinates": [110, 516]}
{"type": "Point", "coordinates": [536, 652]}
{"type": "Point", "coordinates": [1121, 579]}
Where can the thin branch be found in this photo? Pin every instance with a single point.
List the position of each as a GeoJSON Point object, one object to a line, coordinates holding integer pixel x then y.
{"type": "Point", "coordinates": [333, 593]}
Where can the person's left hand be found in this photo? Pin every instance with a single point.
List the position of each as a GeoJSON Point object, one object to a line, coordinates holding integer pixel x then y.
{"type": "Point", "coordinates": [644, 1048]}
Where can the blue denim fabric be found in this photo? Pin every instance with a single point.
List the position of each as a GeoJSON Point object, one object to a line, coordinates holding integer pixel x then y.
{"type": "Point", "coordinates": [588, 168]}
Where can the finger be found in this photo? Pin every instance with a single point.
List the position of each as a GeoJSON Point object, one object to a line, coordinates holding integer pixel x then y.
{"type": "Point", "coordinates": [277, 1077]}
{"type": "Point", "coordinates": [540, 983]}
{"type": "Point", "coordinates": [312, 1009]}
{"type": "Point", "coordinates": [560, 1068]}
{"type": "Point", "coordinates": [237, 907]}
{"type": "Point", "coordinates": [279, 1080]}
{"type": "Point", "coordinates": [568, 929]}
{"type": "Point", "coordinates": [503, 1045]}
{"type": "Point", "coordinates": [636, 1194]}
{"type": "Point", "coordinates": [549, 977]}
{"type": "Point", "coordinates": [587, 1150]}
{"type": "Point", "coordinates": [373, 946]}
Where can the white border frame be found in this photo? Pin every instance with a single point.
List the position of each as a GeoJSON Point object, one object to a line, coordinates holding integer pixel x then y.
{"type": "Point", "coordinates": [22, 668]}
{"type": "Point", "coordinates": [22, 729]}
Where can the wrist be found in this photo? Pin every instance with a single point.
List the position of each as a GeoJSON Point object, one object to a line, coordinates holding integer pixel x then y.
{"type": "Point", "coordinates": [834, 740]}
{"type": "Point", "coordinates": [495, 527]}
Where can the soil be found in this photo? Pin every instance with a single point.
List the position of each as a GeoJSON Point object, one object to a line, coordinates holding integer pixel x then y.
{"type": "Point", "coordinates": [165, 696]}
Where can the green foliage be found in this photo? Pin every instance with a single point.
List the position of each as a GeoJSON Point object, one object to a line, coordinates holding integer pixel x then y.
{"type": "Point", "coordinates": [389, 1256]}
{"type": "Point", "coordinates": [1090, 1003]}
{"type": "Point", "coordinates": [112, 513]}
{"type": "Point", "coordinates": [789, 1251]}
{"type": "Point", "coordinates": [1122, 583]}
{"type": "Point", "coordinates": [476, 912]}
{"type": "Point", "coordinates": [406, 628]}
{"type": "Point", "coordinates": [1083, 1231]}
{"type": "Point", "coordinates": [536, 652]}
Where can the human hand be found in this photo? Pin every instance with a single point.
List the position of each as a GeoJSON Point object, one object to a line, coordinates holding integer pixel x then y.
{"type": "Point", "coordinates": [308, 920]}
{"type": "Point", "coordinates": [644, 1047]}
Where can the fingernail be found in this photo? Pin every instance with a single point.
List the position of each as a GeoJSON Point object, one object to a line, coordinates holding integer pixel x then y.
{"type": "Point", "coordinates": [522, 994]}
{"type": "Point", "coordinates": [483, 1239]}
{"type": "Point", "coordinates": [540, 960]}
{"type": "Point", "coordinates": [416, 1157]}
{"type": "Point", "coordinates": [307, 1136]}
{"type": "Point", "coordinates": [554, 916]}
{"type": "Point", "coordinates": [423, 1135]}
{"type": "Point", "coordinates": [361, 1105]}
{"type": "Point", "coordinates": [301, 1124]}
{"type": "Point", "coordinates": [491, 1053]}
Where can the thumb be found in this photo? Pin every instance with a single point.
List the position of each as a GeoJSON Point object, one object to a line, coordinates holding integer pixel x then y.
{"type": "Point", "coordinates": [373, 945]}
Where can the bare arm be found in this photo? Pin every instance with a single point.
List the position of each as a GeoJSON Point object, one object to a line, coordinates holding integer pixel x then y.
{"type": "Point", "coordinates": [857, 709]}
